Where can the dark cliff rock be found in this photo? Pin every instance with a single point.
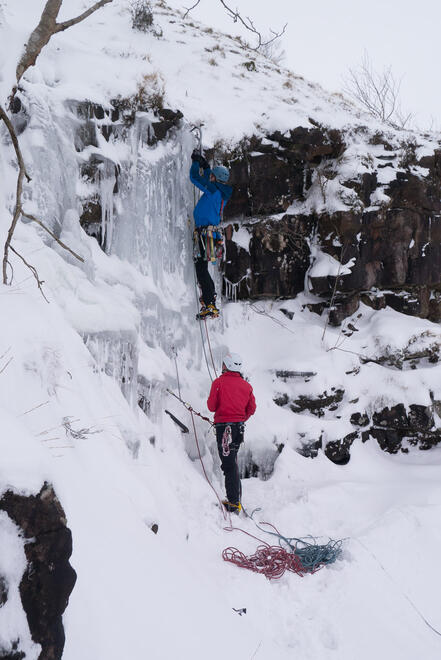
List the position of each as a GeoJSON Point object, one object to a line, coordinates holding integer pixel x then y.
{"type": "Point", "coordinates": [276, 262]}
{"type": "Point", "coordinates": [3, 591]}
{"type": "Point", "coordinates": [49, 578]}
{"type": "Point", "coordinates": [269, 173]}
{"type": "Point", "coordinates": [395, 247]}
{"type": "Point", "coordinates": [12, 653]}
{"type": "Point", "coordinates": [317, 406]}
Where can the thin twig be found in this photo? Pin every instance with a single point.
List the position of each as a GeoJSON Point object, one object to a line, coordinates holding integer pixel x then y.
{"type": "Point", "coordinates": [33, 271]}
{"type": "Point", "coordinates": [7, 363]}
{"type": "Point", "coordinates": [63, 245]}
{"type": "Point", "coordinates": [263, 312]}
{"type": "Point", "coordinates": [35, 408]}
{"type": "Point", "coordinates": [81, 17]}
{"type": "Point", "coordinates": [189, 9]}
{"type": "Point", "coordinates": [5, 353]}
{"type": "Point", "coordinates": [249, 25]}
{"type": "Point", "coordinates": [255, 652]}
{"type": "Point", "coordinates": [22, 173]}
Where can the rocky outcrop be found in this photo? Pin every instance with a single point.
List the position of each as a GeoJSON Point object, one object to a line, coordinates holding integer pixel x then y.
{"type": "Point", "coordinates": [269, 173]}
{"type": "Point", "coordinates": [394, 427]}
{"type": "Point", "coordinates": [3, 591]}
{"type": "Point", "coordinates": [317, 406]}
{"type": "Point", "coordinates": [276, 261]}
{"type": "Point", "coordinates": [49, 578]}
{"type": "Point", "coordinates": [12, 653]}
{"type": "Point", "coordinates": [393, 245]}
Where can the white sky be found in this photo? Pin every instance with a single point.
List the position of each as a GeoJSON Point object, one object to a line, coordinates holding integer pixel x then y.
{"type": "Point", "coordinates": [324, 38]}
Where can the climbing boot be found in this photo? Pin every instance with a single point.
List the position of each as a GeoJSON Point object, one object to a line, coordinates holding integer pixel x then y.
{"type": "Point", "coordinates": [232, 508]}
{"type": "Point", "coordinates": [210, 311]}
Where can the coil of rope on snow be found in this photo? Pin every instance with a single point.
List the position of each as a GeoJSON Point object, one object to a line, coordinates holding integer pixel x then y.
{"type": "Point", "coordinates": [300, 555]}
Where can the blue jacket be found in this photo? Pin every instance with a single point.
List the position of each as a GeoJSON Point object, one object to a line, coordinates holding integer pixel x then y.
{"type": "Point", "coordinates": [208, 210]}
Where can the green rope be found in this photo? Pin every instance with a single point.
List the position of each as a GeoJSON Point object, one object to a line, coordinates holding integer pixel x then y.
{"type": "Point", "coordinates": [311, 554]}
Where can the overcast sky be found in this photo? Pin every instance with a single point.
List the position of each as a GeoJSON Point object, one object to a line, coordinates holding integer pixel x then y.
{"type": "Point", "coordinates": [326, 37]}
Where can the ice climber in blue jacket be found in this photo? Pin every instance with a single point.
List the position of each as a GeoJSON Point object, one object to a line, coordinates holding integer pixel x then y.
{"type": "Point", "coordinates": [207, 216]}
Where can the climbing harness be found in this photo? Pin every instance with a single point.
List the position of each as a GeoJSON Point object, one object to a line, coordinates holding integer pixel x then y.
{"type": "Point", "coordinates": [208, 244]}
{"type": "Point", "coordinates": [226, 441]}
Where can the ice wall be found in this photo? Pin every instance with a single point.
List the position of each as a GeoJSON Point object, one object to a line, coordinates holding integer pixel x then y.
{"type": "Point", "coordinates": [142, 199]}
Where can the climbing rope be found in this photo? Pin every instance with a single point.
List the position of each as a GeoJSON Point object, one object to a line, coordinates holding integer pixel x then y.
{"type": "Point", "coordinates": [175, 357]}
{"type": "Point", "coordinates": [311, 554]}
{"type": "Point", "coordinates": [270, 561]}
{"type": "Point", "coordinates": [300, 556]}
{"type": "Point", "coordinates": [200, 328]}
{"type": "Point", "coordinates": [189, 407]}
{"type": "Point", "coordinates": [209, 347]}
{"type": "Point", "coordinates": [225, 514]}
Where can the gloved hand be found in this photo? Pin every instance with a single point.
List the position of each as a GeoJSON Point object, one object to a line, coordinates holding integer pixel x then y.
{"type": "Point", "coordinates": [199, 158]}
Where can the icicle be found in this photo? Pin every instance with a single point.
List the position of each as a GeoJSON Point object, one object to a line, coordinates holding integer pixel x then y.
{"type": "Point", "coordinates": [107, 180]}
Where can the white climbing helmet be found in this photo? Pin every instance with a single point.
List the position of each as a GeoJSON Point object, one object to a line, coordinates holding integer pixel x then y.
{"type": "Point", "coordinates": [233, 362]}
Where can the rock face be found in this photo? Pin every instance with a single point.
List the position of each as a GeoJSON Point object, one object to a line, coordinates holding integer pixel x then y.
{"type": "Point", "coordinates": [394, 428]}
{"type": "Point", "coordinates": [49, 578]}
{"type": "Point", "coordinates": [394, 243]}
{"type": "Point", "coordinates": [276, 262]}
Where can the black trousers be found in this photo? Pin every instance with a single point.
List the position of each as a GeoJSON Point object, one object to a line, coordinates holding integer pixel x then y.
{"type": "Point", "coordinates": [203, 276]}
{"type": "Point", "coordinates": [205, 281]}
{"type": "Point", "coordinates": [229, 463]}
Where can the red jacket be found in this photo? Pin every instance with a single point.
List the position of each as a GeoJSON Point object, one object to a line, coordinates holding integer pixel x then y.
{"type": "Point", "coordinates": [231, 398]}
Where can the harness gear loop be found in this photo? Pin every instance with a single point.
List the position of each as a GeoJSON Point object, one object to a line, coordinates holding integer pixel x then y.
{"type": "Point", "coordinates": [208, 243]}
{"type": "Point", "coordinates": [226, 440]}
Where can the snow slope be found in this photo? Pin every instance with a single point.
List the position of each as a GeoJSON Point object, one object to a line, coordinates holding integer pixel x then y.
{"type": "Point", "coordinates": [169, 595]}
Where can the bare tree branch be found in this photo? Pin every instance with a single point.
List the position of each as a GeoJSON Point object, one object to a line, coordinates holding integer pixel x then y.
{"type": "Point", "coordinates": [33, 271]}
{"type": "Point", "coordinates": [46, 28]}
{"type": "Point", "coordinates": [189, 9]}
{"type": "Point", "coordinates": [81, 17]}
{"type": "Point", "coordinates": [378, 93]}
{"type": "Point", "coordinates": [247, 23]}
{"type": "Point", "coordinates": [63, 245]}
{"type": "Point", "coordinates": [18, 204]}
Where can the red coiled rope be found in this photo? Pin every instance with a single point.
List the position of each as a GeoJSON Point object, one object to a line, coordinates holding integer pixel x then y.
{"type": "Point", "coordinates": [270, 560]}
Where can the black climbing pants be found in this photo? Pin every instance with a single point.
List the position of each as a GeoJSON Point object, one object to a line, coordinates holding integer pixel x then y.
{"type": "Point", "coordinates": [205, 281]}
{"type": "Point", "coordinates": [229, 463]}
{"type": "Point", "coordinates": [203, 276]}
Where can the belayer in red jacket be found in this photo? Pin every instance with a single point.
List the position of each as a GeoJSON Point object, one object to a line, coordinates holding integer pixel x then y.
{"type": "Point", "coordinates": [232, 401]}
